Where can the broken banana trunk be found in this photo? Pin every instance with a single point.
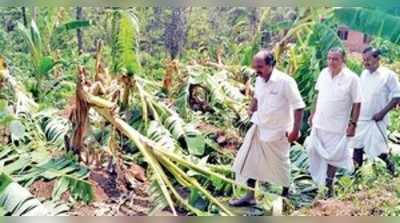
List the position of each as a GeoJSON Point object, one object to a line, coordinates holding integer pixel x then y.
{"type": "Point", "coordinates": [156, 156]}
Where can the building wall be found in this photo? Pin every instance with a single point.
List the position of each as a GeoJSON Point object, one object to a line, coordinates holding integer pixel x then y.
{"type": "Point", "coordinates": [355, 41]}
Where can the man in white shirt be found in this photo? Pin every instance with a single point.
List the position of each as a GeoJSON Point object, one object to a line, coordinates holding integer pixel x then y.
{"type": "Point", "coordinates": [381, 93]}
{"type": "Point", "coordinates": [277, 110]}
{"type": "Point", "coordinates": [334, 120]}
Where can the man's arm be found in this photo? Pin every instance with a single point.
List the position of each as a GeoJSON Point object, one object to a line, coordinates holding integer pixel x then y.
{"type": "Point", "coordinates": [393, 86]}
{"type": "Point", "coordinates": [253, 106]}
{"type": "Point", "coordinates": [355, 114]}
{"type": "Point", "coordinates": [313, 108]}
{"type": "Point", "coordinates": [298, 119]}
{"type": "Point", "coordinates": [297, 104]}
{"type": "Point", "coordinates": [381, 114]}
{"type": "Point", "coordinates": [356, 97]}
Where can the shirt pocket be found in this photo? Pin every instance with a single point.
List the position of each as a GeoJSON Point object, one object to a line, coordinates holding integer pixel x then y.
{"type": "Point", "coordinates": [342, 92]}
{"type": "Point", "coordinates": [273, 100]}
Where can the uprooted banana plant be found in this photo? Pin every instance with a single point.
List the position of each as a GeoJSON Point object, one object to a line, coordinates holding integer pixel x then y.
{"type": "Point", "coordinates": [35, 137]}
{"type": "Point", "coordinates": [38, 138]}
{"type": "Point", "coordinates": [214, 96]}
{"type": "Point", "coordinates": [163, 151]}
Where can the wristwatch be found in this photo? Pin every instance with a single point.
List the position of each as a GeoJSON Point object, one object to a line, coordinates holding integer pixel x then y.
{"type": "Point", "coordinates": [354, 123]}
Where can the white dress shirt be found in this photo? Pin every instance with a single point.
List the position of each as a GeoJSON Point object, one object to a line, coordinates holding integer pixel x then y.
{"type": "Point", "coordinates": [335, 100]}
{"type": "Point", "coordinates": [378, 89]}
{"type": "Point", "coordinates": [276, 101]}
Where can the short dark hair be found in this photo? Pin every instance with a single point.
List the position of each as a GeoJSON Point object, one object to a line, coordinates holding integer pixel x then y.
{"type": "Point", "coordinates": [375, 52]}
{"type": "Point", "coordinates": [339, 50]}
{"type": "Point", "coordinates": [268, 57]}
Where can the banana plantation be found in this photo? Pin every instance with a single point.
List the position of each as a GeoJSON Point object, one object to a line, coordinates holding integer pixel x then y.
{"type": "Point", "coordinates": [141, 111]}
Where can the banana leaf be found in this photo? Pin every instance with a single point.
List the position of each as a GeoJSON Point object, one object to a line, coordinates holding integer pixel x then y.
{"type": "Point", "coordinates": [18, 201]}
{"type": "Point", "coordinates": [374, 22]}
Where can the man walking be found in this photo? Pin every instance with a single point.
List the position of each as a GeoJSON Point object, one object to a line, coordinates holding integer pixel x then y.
{"type": "Point", "coordinates": [334, 121]}
{"type": "Point", "coordinates": [381, 93]}
{"type": "Point", "coordinates": [277, 111]}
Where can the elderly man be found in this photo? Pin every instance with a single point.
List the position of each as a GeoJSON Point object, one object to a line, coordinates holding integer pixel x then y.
{"type": "Point", "coordinates": [381, 92]}
{"type": "Point", "coordinates": [334, 120]}
{"type": "Point", "coordinates": [277, 111]}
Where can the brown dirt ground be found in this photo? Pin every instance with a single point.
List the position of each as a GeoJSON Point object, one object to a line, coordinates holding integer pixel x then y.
{"type": "Point", "coordinates": [227, 140]}
{"type": "Point", "coordinates": [331, 208]}
{"type": "Point", "coordinates": [43, 189]}
{"type": "Point", "coordinates": [109, 198]}
{"type": "Point", "coordinates": [370, 202]}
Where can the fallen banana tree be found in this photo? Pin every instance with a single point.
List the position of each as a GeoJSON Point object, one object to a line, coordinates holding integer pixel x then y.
{"type": "Point", "coordinates": [162, 162]}
{"type": "Point", "coordinates": [34, 136]}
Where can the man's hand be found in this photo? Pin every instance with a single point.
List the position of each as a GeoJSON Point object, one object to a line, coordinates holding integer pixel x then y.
{"type": "Point", "coordinates": [355, 113]}
{"type": "Point", "coordinates": [293, 136]}
{"type": "Point", "coordinates": [351, 130]}
{"type": "Point", "coordinates": [253, 106]}
{"type": "Point", "coordinates": [378, 117]}
{"type": "Point", "coordinates": [381, 114]}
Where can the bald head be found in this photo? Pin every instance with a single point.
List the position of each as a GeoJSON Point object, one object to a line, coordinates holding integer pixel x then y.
{"type": "Point", "coordinates": [263, 63]}
{"type": "Point", "coordinates": [267, 56]}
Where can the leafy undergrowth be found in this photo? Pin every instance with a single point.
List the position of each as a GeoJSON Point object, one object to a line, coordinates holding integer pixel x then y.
{"type": "Point", "coordinates": [107, 200]}
{"type": "Point", "coordinates": [372, 192]}
{"type": "Point", "coordinates": [150, 147]}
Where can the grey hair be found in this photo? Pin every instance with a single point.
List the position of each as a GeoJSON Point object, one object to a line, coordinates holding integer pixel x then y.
{"type": "Point", "coordinates": [339, 50]}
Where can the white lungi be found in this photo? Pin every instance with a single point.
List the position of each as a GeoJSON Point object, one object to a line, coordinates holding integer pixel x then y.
{"type": "Point", "coordinates": [326, 148]}
{"type": "Point", "coordinates": [264, 155]}
{"type": "Point", "coordinates": [328, 143]}
{"type": "Point", "coordinates": [263, 161]}
{"type": "Point", "coordinates": [378, 89]}
{"type": "Point", "coordinates": [372, 136]}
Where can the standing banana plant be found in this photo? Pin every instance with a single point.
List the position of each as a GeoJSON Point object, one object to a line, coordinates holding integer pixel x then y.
{"type": "Point", "coordinates": [375, 22]}
{"type": "Point", "coordinates": [42, 59]}
{"type": "Point", "coordinates": [125, 49]}
{"type": "Point", "coordinates": [315, 29]}
{"type": "Point", "coordinates": [316, 34]}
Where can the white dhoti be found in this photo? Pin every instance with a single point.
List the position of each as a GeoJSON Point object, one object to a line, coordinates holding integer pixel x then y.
{"type": "Point", "coordinates": [263, 161]}
{"type": "Point", "coordinates": [327, 148]}
{"type": "Point", "coordinates": [372, 137]}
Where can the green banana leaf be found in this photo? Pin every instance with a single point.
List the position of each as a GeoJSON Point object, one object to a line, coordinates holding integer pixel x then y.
{"type": "Point", "coordinates": [370, 21]}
